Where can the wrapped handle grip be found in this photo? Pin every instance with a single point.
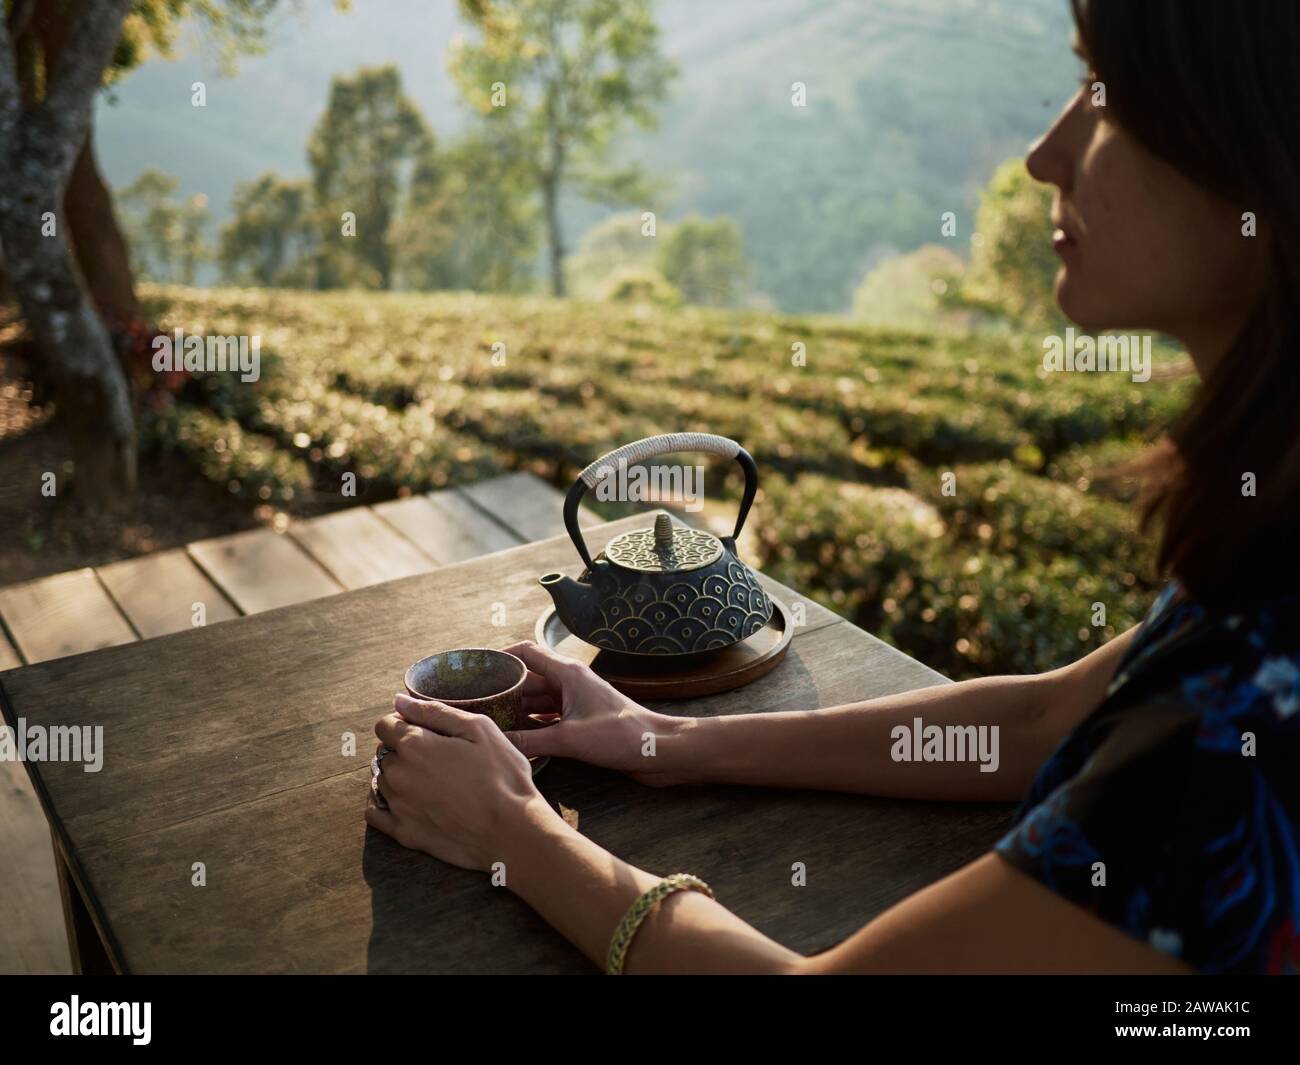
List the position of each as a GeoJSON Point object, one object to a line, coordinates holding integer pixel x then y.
{"type": "Point", "coordinates": [638, 451]}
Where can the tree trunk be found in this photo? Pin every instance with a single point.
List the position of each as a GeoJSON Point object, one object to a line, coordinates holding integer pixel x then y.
{"type": "Point", "coordinates": [38, 149]}
{"type": "Point", "coordinates": [97, 239]}
{"type": "Point", "coordinates": [94, 402]}
{"type": "Point", "coordinates": [550, 195]}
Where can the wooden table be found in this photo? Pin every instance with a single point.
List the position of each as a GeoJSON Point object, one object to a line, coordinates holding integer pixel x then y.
{"type": "Point", "coordinates": [226, 745]}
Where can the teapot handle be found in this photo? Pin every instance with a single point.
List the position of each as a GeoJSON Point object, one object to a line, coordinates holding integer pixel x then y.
{"type": "Point", "coordinates": [637, 451]}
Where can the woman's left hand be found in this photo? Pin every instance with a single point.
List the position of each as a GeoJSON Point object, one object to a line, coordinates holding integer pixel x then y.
{"type": "Point", "coordinates": [456, 788]}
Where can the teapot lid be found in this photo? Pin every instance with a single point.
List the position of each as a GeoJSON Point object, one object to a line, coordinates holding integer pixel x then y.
{"type": "Point", "coordinates": [667, 548]}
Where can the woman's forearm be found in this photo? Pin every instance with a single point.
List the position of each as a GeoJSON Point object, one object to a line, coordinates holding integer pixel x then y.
{"type": "Point", "coordinates": [993, 734]}
{"type": "Point", "coordinates": [858, 747]}
{"type": "Point", "coordinates": [583, 891]}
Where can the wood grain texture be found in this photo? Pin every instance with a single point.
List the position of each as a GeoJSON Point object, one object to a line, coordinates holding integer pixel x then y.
{"type": "Point", "coordinates": [446, 526]}
{"type": "Point", "coordinates": [9, 656]}
{"type": "Point", "coordinates": [261, 570]}
{"type": "Point", "coordinates": [32, 938]}
{"type": "Point", "coordinates": [65, 614]}
{"type": "Point", "coordinates": [525, 503]}
{"type": "Point", "coordinates": [358, 549]}
{"type": "Point", "coordinates": [246, 772]}
{"type": "Point", "coordinates": [157, 592]}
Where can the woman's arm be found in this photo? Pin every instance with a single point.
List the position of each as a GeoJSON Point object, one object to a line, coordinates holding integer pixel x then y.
{"type": "Point", "coordinates": [849, 748]}
{"type": "Point", "coordinates": [458, 790]}
{"type": "Point", "coordinates": [986, 918]}
{"type": "Point", "coordinates": [845, 748]}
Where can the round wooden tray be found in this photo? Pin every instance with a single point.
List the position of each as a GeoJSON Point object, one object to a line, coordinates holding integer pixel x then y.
{"type": "Point", "coordinates": [676, 677]}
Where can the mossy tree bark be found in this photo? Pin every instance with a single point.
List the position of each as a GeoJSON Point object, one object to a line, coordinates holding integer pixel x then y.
{"type": "Point", "coordinates": [39, 146]}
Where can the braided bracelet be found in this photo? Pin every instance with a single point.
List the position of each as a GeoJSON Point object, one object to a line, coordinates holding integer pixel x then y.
{"type": "Point", "coordinates": [636, 913]}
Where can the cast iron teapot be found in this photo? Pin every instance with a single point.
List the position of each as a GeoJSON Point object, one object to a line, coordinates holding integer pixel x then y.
{"type": "Point", "coordinates": [667, 589]}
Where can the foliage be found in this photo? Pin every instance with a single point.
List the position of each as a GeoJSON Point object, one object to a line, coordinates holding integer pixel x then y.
{"type": "Point", "coordinates": [616, 242]}
{"type": "Point", "coordinates": [906, 291]}
{"type": "Point", "coordinates": [367, 140]}
{"type": "Point", "coordinates": [705, 260]}
{"type": "Point", "coordinates": [557, 80]}
{"type": "Point", "coordinates": [272, 239]}
{"type": "Point", "coordinates": [1013, 267]}
{"type": "Point", "coordinates": [249, 465]}
{"type": "Point", "coordinates": [639, 284]}
{"type": "Point", "coordinates": [493, 215]}
{"type": "Point", "coordinates": [167, 237]}
{"type": "Point", "coordinates": [997, 574]}
{"type": "Point", "coordinates": [152, 26]}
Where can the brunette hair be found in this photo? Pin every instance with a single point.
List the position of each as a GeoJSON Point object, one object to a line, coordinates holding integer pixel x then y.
{"type": "Point", "coordinates": [1212, 88]}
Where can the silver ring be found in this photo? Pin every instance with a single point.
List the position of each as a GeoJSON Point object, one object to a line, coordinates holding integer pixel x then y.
{"type": "Point", "coordinates": [375, 770]}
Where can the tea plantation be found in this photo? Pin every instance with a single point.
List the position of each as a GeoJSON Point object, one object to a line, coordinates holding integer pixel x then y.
{"type": "Point", "coordinates": [940, 490]}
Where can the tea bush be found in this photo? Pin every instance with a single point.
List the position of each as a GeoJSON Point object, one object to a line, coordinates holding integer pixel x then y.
{"type": "Point", "coordinates": [853, 429]}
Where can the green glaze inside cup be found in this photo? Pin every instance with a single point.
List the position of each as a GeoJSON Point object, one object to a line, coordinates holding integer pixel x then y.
{"type": "Point", "coordinates": [477, 679]}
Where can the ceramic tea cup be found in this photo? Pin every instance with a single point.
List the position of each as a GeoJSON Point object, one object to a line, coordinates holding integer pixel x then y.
{"type": "Point", "coordinates": [477, 679]}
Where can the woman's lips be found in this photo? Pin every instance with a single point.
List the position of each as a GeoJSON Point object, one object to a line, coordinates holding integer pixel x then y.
{"type": "Point", "coordinates": [1062, 241]}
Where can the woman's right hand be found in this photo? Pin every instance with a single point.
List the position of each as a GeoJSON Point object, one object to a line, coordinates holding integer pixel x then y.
{"type": "Point", "coordinates": [595, 723]}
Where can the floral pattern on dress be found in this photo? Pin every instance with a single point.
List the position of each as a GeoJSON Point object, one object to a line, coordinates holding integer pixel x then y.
{"type": "Point", "coordinates": [1173, 810]}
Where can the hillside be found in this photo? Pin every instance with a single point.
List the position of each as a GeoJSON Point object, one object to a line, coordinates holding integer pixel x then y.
{"type": "Point", "coordinates": [999, 574]}
{"type": "Point", "coordinates": [911, 104]}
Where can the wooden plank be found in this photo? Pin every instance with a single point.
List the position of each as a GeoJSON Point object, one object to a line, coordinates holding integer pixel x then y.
{"type": "Point", "coordinates": [524, 503]}
{"type": "Point", "coordinates": [32, 936]}
{"type": "Point", "coordinates": [446, 526]}
{"type": "Point", "coordinates": [158, 592]}
{"type": "Point", "coordinates": [263, 794]}
{"type": "Point", "coordinates": [358, 549]}
{"type": "Point", "coordinates": [65, 614]}
{"type": "Point", "coordinates": [261, 570]}
{"type": "Point", "coordinates": [9, 656]}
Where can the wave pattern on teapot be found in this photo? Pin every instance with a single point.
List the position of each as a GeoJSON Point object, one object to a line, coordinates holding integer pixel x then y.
{"type": "Point", "coordinates": [681, 619]}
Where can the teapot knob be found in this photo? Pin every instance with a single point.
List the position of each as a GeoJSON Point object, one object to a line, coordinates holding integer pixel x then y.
{"type": "Point", "coordinates": [663, 529]}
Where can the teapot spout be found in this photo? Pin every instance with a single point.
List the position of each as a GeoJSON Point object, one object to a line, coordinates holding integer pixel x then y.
{"type": "Point", "coordinates": [573, 601]}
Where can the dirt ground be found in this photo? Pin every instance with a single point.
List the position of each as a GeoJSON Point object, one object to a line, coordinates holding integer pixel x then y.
{"type": "Point", "coordinates": [40, 535]}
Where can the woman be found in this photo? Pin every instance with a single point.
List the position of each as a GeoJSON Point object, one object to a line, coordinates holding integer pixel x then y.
{"type": "Point", "coordinates": [1167, 759]}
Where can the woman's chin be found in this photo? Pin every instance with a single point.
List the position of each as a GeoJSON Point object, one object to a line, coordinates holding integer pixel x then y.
{"type": "Point", "coordinates": [1080, 310]}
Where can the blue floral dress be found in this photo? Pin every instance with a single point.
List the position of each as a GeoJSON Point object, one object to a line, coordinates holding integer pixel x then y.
{"type": "Point", "coordinates": [1173, 810]}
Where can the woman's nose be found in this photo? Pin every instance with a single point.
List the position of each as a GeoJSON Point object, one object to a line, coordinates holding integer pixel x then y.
{"type": "Point", "coordinates": [1049, 159]}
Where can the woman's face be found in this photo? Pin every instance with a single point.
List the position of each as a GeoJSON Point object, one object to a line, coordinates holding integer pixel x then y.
{"type": "Point", "coordinates": [1141, 246]}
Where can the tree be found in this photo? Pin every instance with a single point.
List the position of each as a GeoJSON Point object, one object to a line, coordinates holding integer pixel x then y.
{"type": "Point", "coordinates": [40, 30]}
{"type": "Point", "coordinates": [425, 229]}
{"type": "Point", "coordinates": [1012, 271]}
{"type": "Point", "coordinates": [909, 291]}
{"type": "Point", "coordinates": [39, 145]}
{"type": "Point", "coordinates": [62, 274]}
{"type": "Point", "coordinates": [363, 153]}
{"type": "Point", "coordinates": [273, 238]}
{"type": "Point", "coordinates": [611, 246]}
{"type": "Point", "coordinates": [192, 239]}
{"type": "Point", "coordinates": [558, 79]}
{"type": "Point", "coordinates": [494, 213]}
{"type": "Point", "coordinates": [705, 260]}
{"type": "Point", "coordinates": [168, 238]}
{"type": "Point", "coordinates": [151, 223]}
